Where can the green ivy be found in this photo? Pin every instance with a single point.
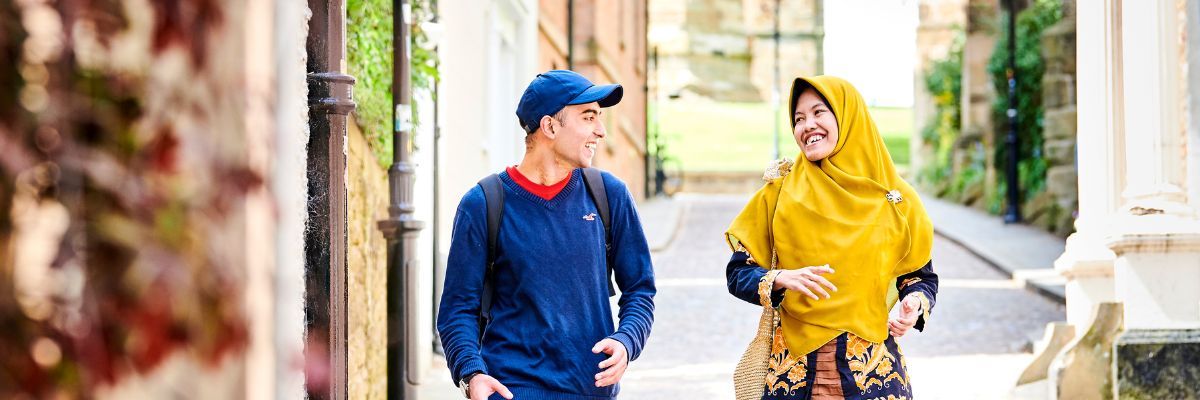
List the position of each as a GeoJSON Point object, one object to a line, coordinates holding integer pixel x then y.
{"type": "Point", "coordinates": [1029, 69]}
{"type": "Point", "coordinates": [369, 59]}
{"type": "Point", "coordinates": [943, 81]}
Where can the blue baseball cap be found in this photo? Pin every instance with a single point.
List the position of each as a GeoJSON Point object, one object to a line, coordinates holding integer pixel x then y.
{"type": "Point", "coordinates": [550, 91]}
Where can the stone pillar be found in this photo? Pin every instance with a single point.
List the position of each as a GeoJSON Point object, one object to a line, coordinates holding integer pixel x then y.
{"type": "Point", "coordinates": [1157, 235]}
{"type": "Point", "coordinates": [1059, 132]}
{"type": "Point", "coordinates": [1087, 262]}
{"type": "Point", "coordinates": [936, 29]}
{"type": "Point", "coordinates": [977, 96]}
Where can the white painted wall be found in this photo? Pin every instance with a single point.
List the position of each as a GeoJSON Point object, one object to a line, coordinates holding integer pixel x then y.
{"type": "Point", "coordinates": [1087, 261]}
{"type": "Point", "coordinates": [289, 188]}
{"type": "Point", "coordinates": [1159, 289]}
{"type": "Point", "coordinates": [1156, 236]}
{"type": "Point", "coordinates": [423, 201]}
{"type": "Point", "coordinates": [259, 93]}
{"type": "Point", "coordinates": [487, 58]}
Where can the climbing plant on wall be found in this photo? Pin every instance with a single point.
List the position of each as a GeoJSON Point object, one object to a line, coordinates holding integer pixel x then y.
{"type": "Point", "coordinates": [1030, 67]}
{"type": "Point", "coordinates": [369, 59]}
{"type": "Point", "coordinates": [943, 81]}
{"type": "Point", "coordinates": [122, 183]}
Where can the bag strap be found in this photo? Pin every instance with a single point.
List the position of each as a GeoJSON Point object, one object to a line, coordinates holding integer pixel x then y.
{"type": "Point", "coordinates": [493, 193]}
{"type": "Point", "coordinates": [595, 185]}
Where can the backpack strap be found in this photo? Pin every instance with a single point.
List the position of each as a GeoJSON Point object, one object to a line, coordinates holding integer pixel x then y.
{"type": "Point", "coordinates": [493, 192]}
{"type": "Point", "coordinates": [595, 186]}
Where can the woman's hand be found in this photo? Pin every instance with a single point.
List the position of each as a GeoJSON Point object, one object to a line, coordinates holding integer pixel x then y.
{"type": "Point", "coordinates": [910, 309]}
{"type": "Point", "coordinates": [807, 280]}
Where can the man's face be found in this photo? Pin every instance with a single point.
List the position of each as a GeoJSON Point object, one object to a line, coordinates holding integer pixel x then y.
{"type": "Point", "coordinates": [578, 135]}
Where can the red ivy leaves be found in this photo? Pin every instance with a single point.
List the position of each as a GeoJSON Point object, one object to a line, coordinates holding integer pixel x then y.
{"type": "Point", "coordinates": [152, 284]}
{"type": "Point", "coordinates": [186, 24]}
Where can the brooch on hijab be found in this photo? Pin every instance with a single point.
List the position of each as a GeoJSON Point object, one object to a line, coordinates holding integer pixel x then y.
{"type": "Point", "coordinates": [894, 196]}
{"type": "Point", "coordinates": [778, 169]}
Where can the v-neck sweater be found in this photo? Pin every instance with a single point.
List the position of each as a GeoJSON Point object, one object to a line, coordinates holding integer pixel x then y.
{"type": "Point", "coordinates": [546, 192]}
{"type": "Point", "coordinates": [551, 303]}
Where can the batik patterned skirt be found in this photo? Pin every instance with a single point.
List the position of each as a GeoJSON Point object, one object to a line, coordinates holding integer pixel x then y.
{"type": "Point", "coordinates": [847, 367]}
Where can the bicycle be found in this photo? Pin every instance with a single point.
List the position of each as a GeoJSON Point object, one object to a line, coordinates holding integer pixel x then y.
{"type": "Point", "coordinates": [668, 171]}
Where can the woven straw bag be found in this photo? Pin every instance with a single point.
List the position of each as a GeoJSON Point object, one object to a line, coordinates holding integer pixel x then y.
{"type": "Point", "coordinates": [750, 376]}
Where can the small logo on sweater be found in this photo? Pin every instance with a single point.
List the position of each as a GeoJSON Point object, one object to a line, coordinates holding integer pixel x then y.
{"type": "Point", "coordinates": [590, 217]}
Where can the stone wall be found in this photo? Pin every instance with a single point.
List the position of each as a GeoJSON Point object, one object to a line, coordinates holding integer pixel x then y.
{"type": "Point", "coordinates": [366, 260]}
{"type": "Point", "coordinates": [977, 140]}
{"type": "Point", "coordinates": [725, 49]}
{"type": "Point", "coordinates": [801, 42]}
{"type": "Point", "coordinates": [1058, 97]}
{"type": "Point", "coordinates": [939, 23]}
{"type": "Point", "coordinates": [609, 47]}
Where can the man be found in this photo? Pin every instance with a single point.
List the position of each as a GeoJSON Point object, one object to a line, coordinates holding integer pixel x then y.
{"type": "Point", "coordinates": [549, 332]}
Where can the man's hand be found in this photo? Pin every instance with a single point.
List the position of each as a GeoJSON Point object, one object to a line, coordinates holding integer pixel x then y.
{"type": "Point", "coordinates": [482, 386]}
{"type": "Point", "coordinates": [910, 309]}
{"type": "Point", "coordinates": [807, 280]}
{"type": "Point", "coordinates": [612, 368]}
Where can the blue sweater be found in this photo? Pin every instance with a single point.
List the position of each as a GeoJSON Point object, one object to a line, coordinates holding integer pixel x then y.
{"type": "Point", "coordinates": [551, 301]}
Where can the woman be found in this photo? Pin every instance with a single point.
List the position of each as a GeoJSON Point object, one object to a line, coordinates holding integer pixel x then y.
{"type": "Point", "coordinates": [847, 238]}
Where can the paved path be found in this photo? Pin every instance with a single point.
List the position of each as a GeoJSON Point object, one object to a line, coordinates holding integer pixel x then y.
{"type": "Point", "coordinates": [975, 345]}
{"type": "Point", "coordinates": [1023, 252]}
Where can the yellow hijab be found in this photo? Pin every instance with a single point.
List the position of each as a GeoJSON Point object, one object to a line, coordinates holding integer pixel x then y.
{"type": "Point", "coordinates": [838, 211]}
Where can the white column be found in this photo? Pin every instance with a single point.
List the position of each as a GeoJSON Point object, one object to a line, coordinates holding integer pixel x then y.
{"type": "Point", "coordinates": [1156, 235]}
{"type": "Point", "coordinates": [1087, 262]}
{"type": "Point", "coordinates": [1153, 125]}
{"type": "Point", "coordinates": [1193, 93]}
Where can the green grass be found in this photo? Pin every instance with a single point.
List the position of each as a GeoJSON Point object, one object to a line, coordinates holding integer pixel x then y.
{"type": "Point", "coordinates": [720, 136]}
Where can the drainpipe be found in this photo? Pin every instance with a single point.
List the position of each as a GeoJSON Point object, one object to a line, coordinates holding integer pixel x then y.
{"type": "Point", "coordinates": [401, 228]}
{"type": "Point", "coordinates": [330, 101]}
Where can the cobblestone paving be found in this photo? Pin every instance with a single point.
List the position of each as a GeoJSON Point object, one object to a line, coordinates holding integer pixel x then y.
{"type": "Point", "coordinates": [975, 344]}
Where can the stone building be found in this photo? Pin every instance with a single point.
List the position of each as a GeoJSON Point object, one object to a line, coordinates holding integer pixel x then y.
{"type": "Point", "coordinates": [978, 92]}
{"type": "Point", "coordinates": [605, 40]}
{"type": "Point", "coordinates": [1138, 233]}
{"type": "Point", "coordinates": [725, 49]}
{"type": "Point", "coordinates": [939, 24]}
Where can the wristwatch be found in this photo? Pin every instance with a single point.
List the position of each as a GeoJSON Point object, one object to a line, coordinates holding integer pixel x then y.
{"type": "Point", "coordinates": [464, 384]}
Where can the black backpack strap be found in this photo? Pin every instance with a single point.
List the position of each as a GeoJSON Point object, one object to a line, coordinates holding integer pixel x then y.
{"type": "Point", "coordinates": [493, 192]}
{"type": "Point", "coordinates": [595, 185]}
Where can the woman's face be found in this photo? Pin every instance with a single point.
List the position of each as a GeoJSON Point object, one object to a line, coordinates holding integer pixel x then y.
{"type": "Point", "coordinates": [816, 127]}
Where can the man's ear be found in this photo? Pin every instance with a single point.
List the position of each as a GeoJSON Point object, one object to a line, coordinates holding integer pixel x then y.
{"type": "Point", "coordinates": [547, 125]}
